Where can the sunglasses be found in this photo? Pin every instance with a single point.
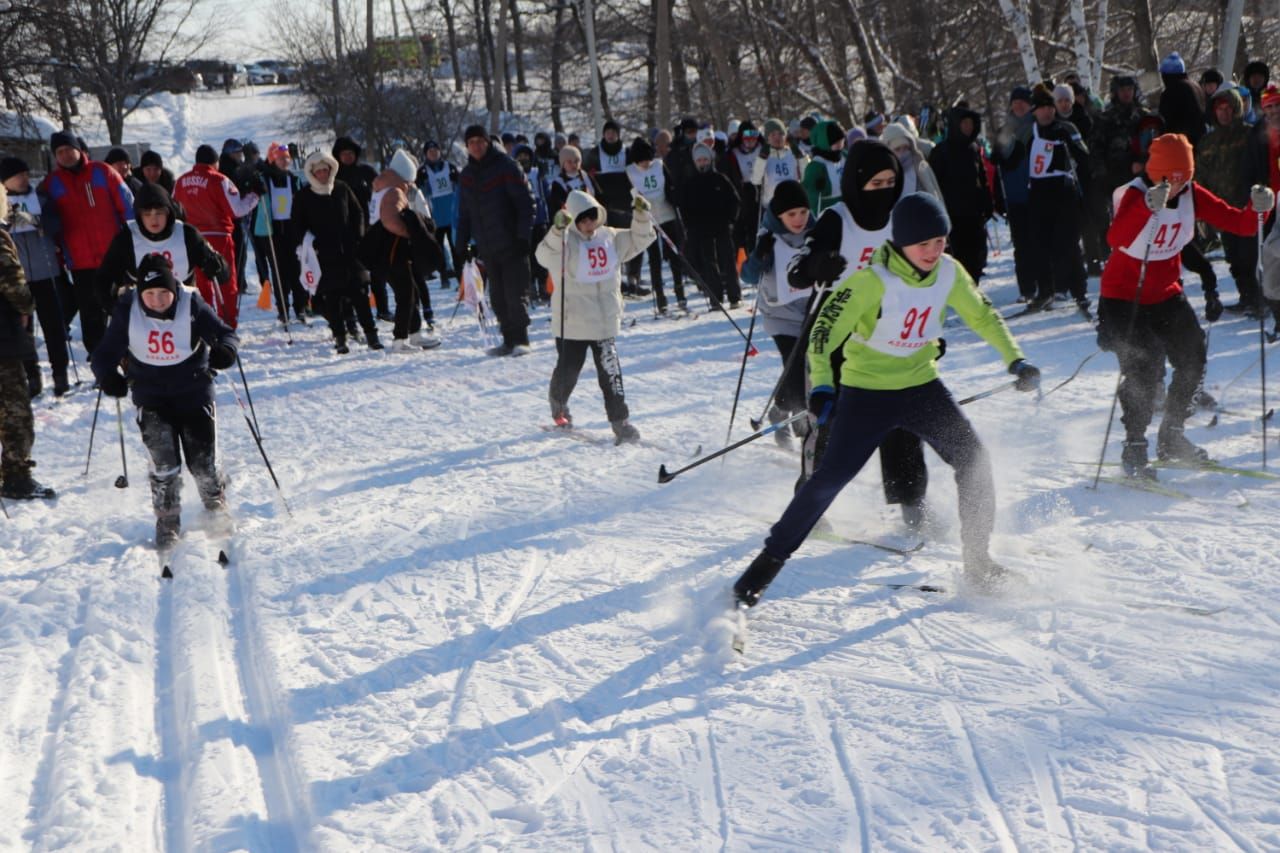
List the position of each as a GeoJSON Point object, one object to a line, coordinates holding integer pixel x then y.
{"type": "Point", "coordinates": [750, 134]}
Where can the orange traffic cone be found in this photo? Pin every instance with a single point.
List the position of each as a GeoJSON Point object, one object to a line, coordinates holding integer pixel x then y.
{"type": "Point", "coordinates": [264, 296]}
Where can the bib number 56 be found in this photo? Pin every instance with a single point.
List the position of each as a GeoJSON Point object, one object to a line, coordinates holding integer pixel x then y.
{"type": "Point", "coordinates": [160, 343]}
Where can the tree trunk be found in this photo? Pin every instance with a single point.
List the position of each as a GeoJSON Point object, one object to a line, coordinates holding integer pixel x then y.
{"type": "Point", "coordinates": [501, 81]}
{"type": "Point", "coordinates": [1021, 29]}
{"type": "Point", "coordinates": [1230, 36]}
{"type": "Point", "coordinates": [729, 99]}
{"type": "Point", "coordinates": [557, 57]}
{"type": "Point", "coordinates": [337, 31]}
{"type": "Point", "coordinates": [662, 51]}
{"type": "Point", "coordinates": [841, 109]}
{"type": "Point", "coordinates": [517, 44]}
{"type": "Point", "coordinates": [1144, 36]}
{"type": "Point", "coordinates": [680, 78]}
{"type": "Point", "coordinates": [1080, 41]}
{"type": "Point", "coordinates": [587, 23]}
{"type": "Point", "coordinates": [1099, 47]}
{"type": "Point", "coordinates": [395, 34]}
{"type": "Point", "coordinates": [874, 91]}
{"type": "Point", "coordinates": [447, 8]}
{"type": "Point", "coordinates": [484, 46]}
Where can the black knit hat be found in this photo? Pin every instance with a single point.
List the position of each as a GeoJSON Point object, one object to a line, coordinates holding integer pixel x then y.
{"type": "Point", "coordinates": [232, 146]}
{"type": "Point", "coordinates": [688, 123]}
{"type": "Point", "coordinates": [472, 131]}
{"type": "Point", "coordinates": [11, 166]}
{"type": "Point", "coordinates": [155, 271]}
{"type": "Point", "coordinates": [1041, 96]}
{"type": "Point", "coordinates": [640, 151]}
{"type": "Point", "coordinates": [610, 124]}
{"type": "Point", "coordinates": [345, 143]}
{"type": "Point", "coordinates": [1020, 93]}
{"type": "Point", "coordinates": [788, 195]}
{"type": "Point", "coordinates": [205, 155]}
{"type": "Point", "coordinates": [150, 158]}
{"type": "Point", "coordinates": [152, 197]}
{"type": "Point", "coordinates": [59, 138]}
{"type": "Point", "coordinates": [116, 155]}
{"type": "Point", "coordinates": [918, 217]}
{"type": "Point", "coordinates": [1211, 75]}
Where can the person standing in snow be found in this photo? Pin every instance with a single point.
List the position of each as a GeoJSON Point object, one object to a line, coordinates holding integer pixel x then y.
{"type": "Point", "coordinates": [650, 178]}
{"type": "Point", "coordinates": [1154, 221]}
{"type": "Point", "coordinates": [1015, 177]}
{"type": "Point", "coordinates": [329, 218]}
{"type": "Point", "coordinates": [917, 175]}
{"type": "Point", "coordinates": [777, 162]}
{"type": "Point", "coordinates": [886, 319]}
{"type": "Point", "coordinates": [709, 208]}
{"type": "Point", "coordinates": [213, 205]}
{"type": "Point", "coordinates": [17, 424]}
{"type": "Point", "coordinates": [741, 167]}
{"type": "Point", "coordinates": [166, 339]}
{"type": "Point", "coordinates": [271, 230]}
{"type": "Point", "coordinates": [359, 178]}
{"type": "Point", "coordinates": [438, 179]}
{"type": "Point", "coordinates": [569, 178]}
{"type": "Point", "coordinates": [398, 242]}
{"type": "Point", "coordinates": [957, 163]}
{"type": "Point", "coordinates": [786, 223]}
{"type": "Point", "coordinates": [607, 165]}
{"type": "Point", "coordinates": [541, 219]}
{"type": "Point", "coordinates": [585, 257]}
{"type": "Point", "coordinates": [495, 210]}
{"type": "Point", "coordinates": [822, 175]}
{"type": "Point", "coordinates": [153, 170]}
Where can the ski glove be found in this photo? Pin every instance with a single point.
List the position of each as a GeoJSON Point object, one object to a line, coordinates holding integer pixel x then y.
{"type": "Point", "coordinates": [639, 203]}
{"type": "Point", "coordinates": [563, 220]}
{"type": "Point", "coordinates": [221, 356]}
{"type": "Point", "coordinates": [1027, 375]}
{"type": "Point", "coordinates": [114, 385]}
{"type": "Point", "coordinates": [827, 266]}
{"type": "Point", "coordinates": [1212, 306]}
{"type": "Point", "coordinates": [822, 400]}
{"type": "Point", "coordinates": [1158, 197]}
{"type": "Point", "coordinates": [1262, 198]}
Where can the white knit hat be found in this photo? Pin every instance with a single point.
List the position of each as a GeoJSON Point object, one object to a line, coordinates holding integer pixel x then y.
{"type": "Point", "coordinates": [404, 165]}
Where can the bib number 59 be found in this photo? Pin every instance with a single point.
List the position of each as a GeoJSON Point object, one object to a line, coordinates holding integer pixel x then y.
{"type": "Point", "coordinates": [598, 258]}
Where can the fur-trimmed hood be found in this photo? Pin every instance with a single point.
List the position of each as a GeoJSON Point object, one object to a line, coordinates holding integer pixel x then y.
{"type": "Point", "coordinates": [579, 203]}
{"type": "Point", "coordinates": [316, 160]}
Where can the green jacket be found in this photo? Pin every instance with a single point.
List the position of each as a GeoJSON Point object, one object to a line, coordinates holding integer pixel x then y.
{"type": "Point", "coordinates": [1222, 156]}
{"type": "Point", "coordinates": [849, 317]}
{"type": "Point", "coordinates": [822, 190]}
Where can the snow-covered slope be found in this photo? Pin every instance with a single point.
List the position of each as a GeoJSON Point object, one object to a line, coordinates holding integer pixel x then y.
{"type": "Point", "coordinates": [472, 633]}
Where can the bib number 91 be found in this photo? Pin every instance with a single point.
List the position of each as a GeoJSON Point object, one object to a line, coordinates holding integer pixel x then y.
{"type": "Point", "coordinates": [914, 322]}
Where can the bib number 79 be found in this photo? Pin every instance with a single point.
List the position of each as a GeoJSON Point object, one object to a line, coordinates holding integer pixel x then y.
{"type": "Point", "coordinates": [915, 321]}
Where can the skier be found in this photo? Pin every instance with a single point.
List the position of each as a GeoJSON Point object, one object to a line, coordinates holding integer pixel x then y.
{"type": "Point", "coordinates": [327, 225]}
{"type": "Point", "coordinates": [17, 424]}
{"type": "Point", "coordinates": [709, 207]}
{"type": "Point", "coordinates": [887, 319]}
{"type": "Point", "coordinates": [271, 228]}
{"type": "Point", "coordinates": [1222, 167]}
{"type": "Point", "coordinates": [650, 177]}
{"type": "Point", "coordinates": [958, 165]}
{"type": "Point", "coordinates": [167, 340]}
{"type": "Point", "coordinates": [777, 162]}
{"type": "Point", "coordinates": [585, 258]}
{"type": "Point", "coordinates": [156, 231]}
{"type": "Point", "coordinates": [438, 178]}
{"type": "Point", "coordinates": [541, 219]}
{"type": "Point", "coordinates": [1154, 220]}
{"type": "Point", "coordinates": [1014, 179]}
{"type": "Point", "coordinates": [822, 175]}
{"type": "Point", "coordinates": [741, 165]}
{"type": "Point", "coordinates": [917, 174]}
{"type": "Point", "coordinates": [785, 226]}
{"type": "Point", "coordinates": [570, 178]}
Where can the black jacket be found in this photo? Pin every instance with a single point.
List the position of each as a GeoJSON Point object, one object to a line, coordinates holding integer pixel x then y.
{"type": "Point", "coordinates": [338, 221]}
{"type": "Point", "coordinates": [359, 177]}
{"type": "Point", "coordinates": [495, 206]}
{"type": "Point", "coordinates": [181, 387]}
{"type": "Point", "coordinates": [708, 202]}
{"type": "Point", "coordinates": [957, 163]}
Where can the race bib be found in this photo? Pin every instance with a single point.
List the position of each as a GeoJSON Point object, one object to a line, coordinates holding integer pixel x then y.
{"type": "Point", "coordinates": [780, 169]}
{"type": "Point", "coordinates": [439, 183]}
{"type": "Point", "coordinates": [911, 317]}
{"type": "Point", "coordinates": [282, 201]}
{"type": "Point", "coordinates": [173, 249]}
{"type": "Point", "coordinates": [309, 263]}
{"type": "Point", "coordinates": [1171, 231]}
{"type": "Point", "coordinates": [597, 260]}
{"type": "Point", "coordinates": [782, 256]}
{"type": "Point", "coordinates": [1041, 157]}
{"type": "Point", "coordinates": [158, 342]}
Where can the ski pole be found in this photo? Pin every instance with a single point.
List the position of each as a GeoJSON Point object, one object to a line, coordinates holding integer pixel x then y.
{"type": "Point", "coordinates": [4, 509]}
{"type": "Point", "coordinates": [278, 286]}
{"type": "Point", "coordinates": [258, 440]}
{"type": "Point", "coordinates": [742, 369]}
{"type": "Point", "coordinates": [801, 345]}
{"type": "Point", "coordinates": [665, 476]}
{"type": "Point", "coordinates": [92, 430]}
{"type": "Point", "coordinates": [1262, 346]}
{"type": "Point", "coordinates": [122, 482]}
{"type": "Point", "coordinates": [217, 305]}
{"type": "Point", "coordinates": [702, 285]}
{"type": "Point", "coordinates": [1133, 321]}
{"type": "Point", "coordinates": [1073, 375]}
{"type": "Point", "coordinates": [990, 392]}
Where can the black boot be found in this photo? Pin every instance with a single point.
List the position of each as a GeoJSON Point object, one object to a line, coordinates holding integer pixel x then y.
{"type": "Point", "coordinates": [914, 515]}
{"type": "Point", "coordinates": [1172, 446]}
{"type": "Point", "coordinates": [1134, 461]}
{"type": "Point", "coordinates": [20, 486]}
{"type": "Point", "coordinates": [624, 432]}
{"type": "Point", "coordinates": [371, 336]}
{"type": "Point", "coordinates": [756, 579]}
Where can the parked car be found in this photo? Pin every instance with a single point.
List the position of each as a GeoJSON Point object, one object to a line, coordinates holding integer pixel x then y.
{"type": "Point", "coordinates": [215, 71]}
{"type": "Point", "coordinates": [157, 76]}
{"type": "Point", "coordinates": [259, 76]}
{"type": "Point", "coordinates": [284, 72]}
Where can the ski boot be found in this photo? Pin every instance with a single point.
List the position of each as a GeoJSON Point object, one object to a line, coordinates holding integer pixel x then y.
{"type": "Point", "coordinates": [1172, 446]}
{"type": "Point", "coordinates": [60, 384]}
{"type": "Point", "coordinates": [424, 339]}
{"type": "Point", "coordinates": [340, 345]}
{"type": "Point", "coordinates": [1202, 399]}
{"type": "Point", "coordinates": [502, 349]}
{"type": "Point", "coordinates": [1134, 461]}
{"type": "Point", "coordinates": [987, 577]}
{"type": "Point", "coordinates": [914, 515]}
{"type": "Point", "coordinates": [168, 529]}
{"type": "Point", "coordinates": [624, 432]}
{"type": "Point", "coordinates": [756, 579]}
{"type": "Point", "coordinates": [560, 415]}
{"type": "Point", "coordinates": [20, 486]}
{"type": "Point", "coordinates": [371, 337]}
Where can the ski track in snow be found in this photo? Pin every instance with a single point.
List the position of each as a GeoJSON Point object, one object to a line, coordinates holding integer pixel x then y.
{"type": "Point", "coordinates": [473, 634]}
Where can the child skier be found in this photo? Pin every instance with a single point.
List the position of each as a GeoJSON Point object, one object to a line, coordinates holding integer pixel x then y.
{"type": "Point", "coordinates": [822, 175]}
{"type": "Point", "coordinates": [167, 339]}
{"type": "Point", "coordinates": [784, 227]}
{"type": "Point", "coordinates": [886, 319]}
{"type": "Point", "coordinates": [650, 178]}
{"type": "Point", "coordinates": [585, 258]}
{"type": "Point", "coordinates": [1155, 219]}
{"type": "Point", "coordinates": [777, 162]}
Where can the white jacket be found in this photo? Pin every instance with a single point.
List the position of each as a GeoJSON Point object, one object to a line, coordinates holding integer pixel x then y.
{"type": "Point", "coordinates": [582, 310]}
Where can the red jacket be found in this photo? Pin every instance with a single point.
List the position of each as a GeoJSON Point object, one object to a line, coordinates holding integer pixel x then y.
{"type": "Point", "coordinates": [212, 201]}
{"type": "Point", "coordinates": [1120, 276]}
{"type": "Point", "coordinates": [94, 203]}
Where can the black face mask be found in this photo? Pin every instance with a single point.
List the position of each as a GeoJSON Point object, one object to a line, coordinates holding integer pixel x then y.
{"type": "Point", "coordinates": [874, 207]}
{"type": "Point", "coordinates": [870, 209]}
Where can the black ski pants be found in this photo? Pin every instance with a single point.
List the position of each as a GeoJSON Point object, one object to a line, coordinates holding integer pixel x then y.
{"type": "Point", "coordinates": [570, 356]}
{"type": "Point", "coordinates": [1242, 256]}
{"type": "Point", "coordinates": [170, 437]}
{"type": "Point", "coordinates": [712, 254]}
{"type": "Point", "coordinates": [1168, 328]}
{"type": "Point", "coordinates": [507, 278]}
{"type": "Point", "coordinates": [53, 323]}
{"type": "Point", "coordinates": [863, 420]}
{"type": "Point", "coordinates": [1024, 250]}
{"type": "Point", "coordinates": [405, 289]}
{"type": "Point", "coordinates": [93, 314]}
{"type": "Point", "coordinates": [342, 291]}
{"type": "Point", "coordinates": [969, 244]}
{"type": "Point", "coordinates": [1055, 236]}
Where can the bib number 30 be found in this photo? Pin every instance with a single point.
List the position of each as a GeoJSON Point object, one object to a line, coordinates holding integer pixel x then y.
{"type": "Point", "coordinates": [914, 322]}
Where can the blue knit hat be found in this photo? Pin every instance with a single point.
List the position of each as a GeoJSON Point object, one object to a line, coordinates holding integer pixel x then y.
{"type": "Point", "coordinates": [919, 217]}
{"type": "Point", "coordinates": [1173, 64]}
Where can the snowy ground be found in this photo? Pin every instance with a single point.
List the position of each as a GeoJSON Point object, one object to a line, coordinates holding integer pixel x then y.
{"type": "Point", "coordinates": [475, 634]}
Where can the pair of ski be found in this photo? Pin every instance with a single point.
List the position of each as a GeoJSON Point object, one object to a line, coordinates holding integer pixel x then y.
{"type": "Point", "coordinates": [1158, 488]}
{"type": "Point", "coordinates": [601, 441]}
{"type": "Point", "coordinates": [219, 538]}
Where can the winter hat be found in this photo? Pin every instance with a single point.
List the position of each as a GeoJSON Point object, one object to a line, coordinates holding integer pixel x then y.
{"type": "Point", "coordinates": [1041, 96]}
{"type": "Point", "coordinates": [747, 129]}
{"type": "Point", "coordinates": [855, 133]}
{"type": "Point", "coordinates": [404, 165]}
{"type": "Point", "coordinates": [688, 123]}
{"type": "Point", "coordinates": [919, 217]}
{"type": "Point", "coordinates": [11, 166]}
{"type": "Point", "coordinates": [1062, 91]}
{"type": "Point", "coordinates": [59, 138]}
{"type": "Point", "coordinates": [1170, 157]}
{"type": "Point", "coordinates": [1020, 93]}
{"type": "Point", "coordinates": [1211, 75]}
{"type": "Point", "coordinates": [206, 155]}
{"type": "Point", "coordinates": [721, 136]}
{"type": "Point", "coordinates": [640, 151]}
{"type": "Point", "coordinates": [895, 134]}
{"type": "Point", "coordinates": [701, 152]}
{"type": "Point", "coordinates": [825, 134]}
{"type": "Point", "coordinates": [706, 135]}
{"type": "Point", "coordinates": [1173, 64]}
{"type": "Point", "coordinates": [277, 149]}
{"type": "Point", "coordinates": [152, 197]}
{"type": "Point", "coordinates": [808, 122]}
{"type": "Point", "coordinates": [472, 131]}
{"type": "Point", "coordinates": [579, 203]}
{"type": "Point", "coordinates": [155, 271]}
{"type": "Point", "coordinates": [152, 158]}
{"type": "Point", "coordinates": [232, 146]}
{"type": "Point", "coordinates": [1257, 66]}
{"type": "Point", "coordinates": [872, 120]}
{"type": "Point", "coordinates": [866, 159]}
{"type": "Point", "coordinates": [250, 149]}
{"type": "Point", "coordinates": [1270, 95]}
{"type": "Point", "coordinates": [570, 152]}
{"type": "Point", "coordinates": [508, 138]}
{"type": "Point", "coordinates": [429, 144]}
{"type": "Point", "coordinates": [346, 143]}
{"type": "Point", "coordinates": [116, 155]}
{"type": "Point", "coordinates": [1119, 81]}
{"type": "Point", "coordinates": [610, 124]}
{"type": "Point", "coordinates": [316, 160]}
{"type": "Point", "coordinates": [788, 195]}
{"type": "Point", "coordinates": [773, 125]}
{"type": "Point", "coordinates": [734, 126]}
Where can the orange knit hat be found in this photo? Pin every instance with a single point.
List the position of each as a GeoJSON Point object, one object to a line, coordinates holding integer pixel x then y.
{"type": "Point", "coordinates": [1270, 95]}
{"type": "Point", "coordinates": [1170, 158]}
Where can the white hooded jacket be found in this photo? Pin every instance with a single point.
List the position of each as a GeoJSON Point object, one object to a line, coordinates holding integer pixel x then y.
{"type": "Point", "coordinates": [589, 311]}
